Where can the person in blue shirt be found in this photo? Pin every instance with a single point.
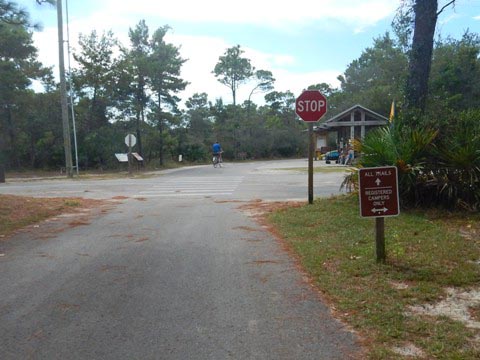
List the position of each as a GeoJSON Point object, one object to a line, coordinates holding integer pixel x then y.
{"type": "Point", "coordinates": [217, 151]}
{"type": "Point", "coordinates": [216, 148]}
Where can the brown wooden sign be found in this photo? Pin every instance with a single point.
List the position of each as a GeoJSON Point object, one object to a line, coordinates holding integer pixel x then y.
{"type": "Point", "coordinates": [379, 192]}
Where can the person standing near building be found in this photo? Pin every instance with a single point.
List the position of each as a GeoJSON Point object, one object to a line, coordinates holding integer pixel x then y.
{"type": "Point", "coordinates": [350, 156]}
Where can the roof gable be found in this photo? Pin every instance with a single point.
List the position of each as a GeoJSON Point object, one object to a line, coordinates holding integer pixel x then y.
{"type": "Point", "coordinates": [354, 108]}
{"type": "Point", "coordinates": [344, 119]}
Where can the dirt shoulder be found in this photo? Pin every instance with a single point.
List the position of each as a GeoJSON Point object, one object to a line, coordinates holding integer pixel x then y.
{"type": "Point", "coordinates": [17, 212]}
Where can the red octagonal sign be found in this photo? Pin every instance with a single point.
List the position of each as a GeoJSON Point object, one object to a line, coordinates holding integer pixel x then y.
{"type": "Point", "coordinates": [311, 105]}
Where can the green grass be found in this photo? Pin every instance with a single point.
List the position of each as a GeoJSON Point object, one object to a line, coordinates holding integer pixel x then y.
{"type": "Point", "coordinates": [425, 251]}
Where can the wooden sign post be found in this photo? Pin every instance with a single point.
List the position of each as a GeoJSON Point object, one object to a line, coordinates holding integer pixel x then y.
{"type": "Point", "coordinates": [379, 198]}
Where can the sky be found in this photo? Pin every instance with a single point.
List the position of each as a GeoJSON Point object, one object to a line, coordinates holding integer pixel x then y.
{"type": "Point", "coordinates": [302, 42]}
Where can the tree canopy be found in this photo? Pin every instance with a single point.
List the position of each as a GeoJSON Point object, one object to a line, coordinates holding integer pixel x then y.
{"type": "Point", "coordinates": [137, 88]}
{"type": "Point", "coordinates": [232, 70]}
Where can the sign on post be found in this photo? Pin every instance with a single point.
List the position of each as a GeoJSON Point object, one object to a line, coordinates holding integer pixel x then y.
{"type": "Point", "coordinates": [311, 105]}
{"type": "Point", "coordinates": [379, 192]}
{"type": "Point", "coordinates": [130, 140]}
{"type": "Point", "coordinates": [379, 198]}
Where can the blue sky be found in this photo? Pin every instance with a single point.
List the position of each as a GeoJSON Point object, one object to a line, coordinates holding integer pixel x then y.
{"type": "Point", "coordinates": [302, 42]}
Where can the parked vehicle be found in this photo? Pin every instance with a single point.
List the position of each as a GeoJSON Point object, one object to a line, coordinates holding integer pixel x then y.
{"type": "Point", "coordinates": [331, 155]}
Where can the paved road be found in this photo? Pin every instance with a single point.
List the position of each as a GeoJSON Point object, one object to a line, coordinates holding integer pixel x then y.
{"type": "Point", "coordinates": [176, 270]}
{"type": "Point", "coordinates": [242, 181]}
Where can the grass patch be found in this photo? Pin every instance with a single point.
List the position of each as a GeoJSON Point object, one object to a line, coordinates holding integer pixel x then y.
{"type": "Point", "coordinates": [17, 212]}
{"type": "Point", "coordinates": [426, 253]}
{"type": "Point", "coordinates": [138, 173]}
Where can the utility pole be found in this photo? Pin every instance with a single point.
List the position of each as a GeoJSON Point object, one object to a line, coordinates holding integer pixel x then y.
{"type": "Point", "coordinates": [71, 92]}
{"type": "Point", "coordinates": [63, 94]}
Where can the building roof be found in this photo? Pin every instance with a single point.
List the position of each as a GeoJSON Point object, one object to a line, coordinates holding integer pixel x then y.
{"type": "Point", "coordinates": [334, 121]}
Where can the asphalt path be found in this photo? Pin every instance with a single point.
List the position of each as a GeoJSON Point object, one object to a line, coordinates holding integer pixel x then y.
{"type": "Point", "coordinates": [174, 268]}
{"type": "Point", "coordinates": [271, 180]}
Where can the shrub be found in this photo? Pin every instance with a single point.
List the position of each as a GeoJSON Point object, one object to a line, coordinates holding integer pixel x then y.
{"type": "Point", "coordinates": [438, 168]}
{"type": "Point", "coordinates": [456, 169]}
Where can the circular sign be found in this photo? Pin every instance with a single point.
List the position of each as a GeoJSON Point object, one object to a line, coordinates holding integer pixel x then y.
{"type": "Point", "coordinates": [130, 140]}
{"type": "Point", "coordinates": [311, 105]}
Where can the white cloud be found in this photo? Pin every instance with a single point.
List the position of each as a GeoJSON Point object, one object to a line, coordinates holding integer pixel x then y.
{"type": "Point", "coordinates": [278, 14]}
{"type": "Point", "coordinates": [46, 42]}
{"type": "Point", "coordinates": [448, 18]}
{"type": "Point", "coordinates": [203, 54]}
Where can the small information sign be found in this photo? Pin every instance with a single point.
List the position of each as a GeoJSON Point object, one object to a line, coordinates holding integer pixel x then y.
{"type": "Point", "coordinates": [137, 156]}
{"type": "Point", "coordinates": [379, 192]}
{"type": "Point", "coordinates": [121, 157]}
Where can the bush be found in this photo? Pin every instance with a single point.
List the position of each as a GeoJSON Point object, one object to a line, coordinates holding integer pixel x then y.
{"type": "Point", "coordinates": [436, 168]}
{"type": "Point", "coordinates": [456, 170]}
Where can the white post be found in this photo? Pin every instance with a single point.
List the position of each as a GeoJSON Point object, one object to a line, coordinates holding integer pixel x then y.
{"type": "Point", "coordinates": [129, 154]}
{"type": "Point", "coordinates": [362, 129]}
{"type": "Point", "coordinates": [352, 125]}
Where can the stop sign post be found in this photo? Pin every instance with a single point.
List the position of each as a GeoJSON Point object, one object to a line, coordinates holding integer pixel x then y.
{"type": "Point", "coordinates": [311, 106]}
{"type": "Point", "coordinates": [130, 141]}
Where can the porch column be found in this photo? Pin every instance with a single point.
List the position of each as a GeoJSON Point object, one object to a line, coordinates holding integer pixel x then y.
{"type": "Point", "coordinates": [352, 126]}
{"type": "Point", "coordinates": [362, 129]}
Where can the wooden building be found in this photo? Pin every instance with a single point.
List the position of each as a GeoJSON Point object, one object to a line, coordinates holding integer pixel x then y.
{"type": "Point", "coordinates": [350, 124]}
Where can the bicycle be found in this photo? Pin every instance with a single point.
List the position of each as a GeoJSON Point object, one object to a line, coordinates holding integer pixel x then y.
{"type": "Point", "coordinates": [217, 160]}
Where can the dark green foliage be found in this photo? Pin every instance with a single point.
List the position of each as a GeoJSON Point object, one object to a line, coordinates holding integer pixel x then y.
{"type": "Point", "coordinates": [456, 173]}
{"type": "Point", "coordinates": [94, 79]}
{"type": "Point", "coordinates": [11, 13]}
{"type": "Point", "coordinates": [232, 70]}
{"type": "Point", "coordinates": [198, 137]}
{"type": "Point", "coordinates": [373, 80]}
{"type": "Point", "coordinates": [136, 89]}
{"type": "Point", "coordinates": [195, 152]}
{"type": "Point", "coordinates": [436, 168]}
{"type": "Point", "coordinates": [400, 146]}
{"type": "Point", "coordinates": [18, 67]}
{"type": "Point", "coordinates": [455, 84]}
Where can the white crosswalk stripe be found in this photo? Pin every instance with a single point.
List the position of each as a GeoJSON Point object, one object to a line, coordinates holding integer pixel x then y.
{"type": "Point", "coordinates": [194, 186]}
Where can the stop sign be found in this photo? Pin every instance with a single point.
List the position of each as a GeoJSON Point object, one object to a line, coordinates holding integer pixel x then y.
{"type": "Point", "coordinates": [311, 105]}
{"type": "Point", "coordinates": [130, 140]}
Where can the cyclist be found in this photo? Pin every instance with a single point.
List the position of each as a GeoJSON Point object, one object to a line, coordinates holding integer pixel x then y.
{"type": "Point", "coordinates": [217, 152]}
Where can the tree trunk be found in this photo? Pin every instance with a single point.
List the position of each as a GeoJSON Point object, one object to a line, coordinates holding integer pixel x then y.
{"type": "Point", "coordinates": [421, 55]}
{"type": "Point", "coordinates": [92, 111]}
{"type": "Point", "coordinates": [14, 159]}
{"type": "Point", "coordinates": [160, 128]}
{"type": "Point", "coordinates": [139, 133]}
{"type": "Point", "coordinates": [140, 113]}
{"type": "Point", "coordinates": [32, 152]}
